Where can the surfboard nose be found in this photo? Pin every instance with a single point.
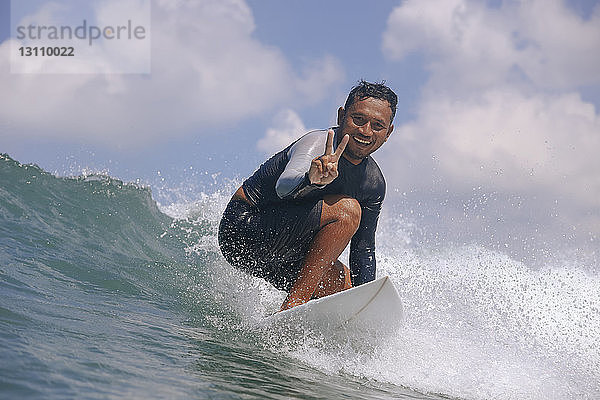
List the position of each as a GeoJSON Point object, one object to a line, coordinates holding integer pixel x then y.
{"type": "Point", "coordinates": [373, 307]}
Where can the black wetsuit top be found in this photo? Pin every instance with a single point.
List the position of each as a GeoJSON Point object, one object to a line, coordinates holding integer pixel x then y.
{"type": "Point", "coordinates": [284, 178]}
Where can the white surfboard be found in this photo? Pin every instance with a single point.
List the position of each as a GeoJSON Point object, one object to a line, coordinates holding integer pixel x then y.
{"type": "Point", "coordinates": [374, 306]}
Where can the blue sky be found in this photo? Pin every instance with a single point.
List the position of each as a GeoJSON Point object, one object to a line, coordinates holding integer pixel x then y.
{"type": "Point", "coordinates": [304, 33]}
{"type": "Point", "coordinates": [498, 114]}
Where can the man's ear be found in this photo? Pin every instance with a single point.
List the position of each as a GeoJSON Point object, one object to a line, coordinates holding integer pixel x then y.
{"type": "Point", "coordinates": [340, 117]}
{"type": "Point", "coordinates": [389, 132]}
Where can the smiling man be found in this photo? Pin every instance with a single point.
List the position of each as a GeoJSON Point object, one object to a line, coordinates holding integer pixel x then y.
{"type": "Point", "coordinates": [289, 222]}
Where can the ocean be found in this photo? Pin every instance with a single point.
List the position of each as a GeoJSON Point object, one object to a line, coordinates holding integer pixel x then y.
{"type": "Point", "coordinates": [107, 293]}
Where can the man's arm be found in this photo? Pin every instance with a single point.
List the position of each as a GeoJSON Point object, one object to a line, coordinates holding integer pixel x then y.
{"type": "Point", "coordinates": [312, 165]}
{"type": "Point", "coordinates": [363, 264]}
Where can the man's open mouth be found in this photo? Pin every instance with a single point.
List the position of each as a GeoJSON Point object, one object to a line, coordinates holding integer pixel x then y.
{"type": "Point", "coordinates": [361, 141]}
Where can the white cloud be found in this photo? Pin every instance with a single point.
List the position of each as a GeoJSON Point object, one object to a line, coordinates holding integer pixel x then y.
{"type": "Point", "coordinates": [471, 44]}
{"type": "Point", "coordinates": [208, 70]}
{"type": "Point", "coordinates": [288, 126]}
{"type": "Point", "coordinates": [319, 76]}
{"type": "Point", "coordinates": [511, 142]}
{"type": "Point", "coordinates": [502, 109]}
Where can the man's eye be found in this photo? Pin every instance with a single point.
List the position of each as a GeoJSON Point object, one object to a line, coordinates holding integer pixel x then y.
{"type": "Point", "coordinates": [358, 120]}
{"type": "Point", "coordinates": [378, 127]}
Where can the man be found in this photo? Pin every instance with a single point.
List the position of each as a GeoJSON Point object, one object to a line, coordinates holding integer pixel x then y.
{"type": "Point", "coordinates": [290, 221]}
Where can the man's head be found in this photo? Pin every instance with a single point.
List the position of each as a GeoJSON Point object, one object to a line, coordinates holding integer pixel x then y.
{"type": "Point", "coordinates": [367, 118]}
{"type": "Point", "coordinates": [379, 91]}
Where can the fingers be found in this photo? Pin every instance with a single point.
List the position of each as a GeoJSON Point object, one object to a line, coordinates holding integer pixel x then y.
{"type": "Point", "coordinates": [319, 165]}
{"type": "Point", "coordinates": [323, 169]}
{"type": "Point", "coordinates": [329, 144]}
{"type": "Point", "coordinates": [341, 147]}
{"type": "Point", "coordinates": [332, 170]}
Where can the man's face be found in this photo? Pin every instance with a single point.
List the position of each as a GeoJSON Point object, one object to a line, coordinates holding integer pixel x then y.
{"type": "Point", "coordinates": [368, 122]}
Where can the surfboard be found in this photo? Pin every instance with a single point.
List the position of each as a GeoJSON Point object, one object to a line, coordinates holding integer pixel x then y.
{"type": "Point", "coordinates": [373, 306]}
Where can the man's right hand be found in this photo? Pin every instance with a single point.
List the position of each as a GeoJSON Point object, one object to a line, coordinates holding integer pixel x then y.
{"type": "Point", "coordinates": [324, 169]}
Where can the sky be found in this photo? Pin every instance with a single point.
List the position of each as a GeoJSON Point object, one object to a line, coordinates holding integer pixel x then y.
{"type": "Point", "coordinates": [496, 135]}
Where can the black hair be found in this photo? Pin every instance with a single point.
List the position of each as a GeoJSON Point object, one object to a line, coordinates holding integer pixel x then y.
{"type": "Point", "coordinates": [376, 90]}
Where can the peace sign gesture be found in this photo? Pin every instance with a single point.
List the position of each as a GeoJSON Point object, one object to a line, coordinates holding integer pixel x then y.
{"type": "Point", "coordinates": [324, 169]}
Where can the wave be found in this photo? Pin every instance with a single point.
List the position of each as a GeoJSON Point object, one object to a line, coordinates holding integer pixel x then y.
{"type": "Point", "coordinates": [85, 257]}
{"type": "Point", "coordinates": [93, 230]}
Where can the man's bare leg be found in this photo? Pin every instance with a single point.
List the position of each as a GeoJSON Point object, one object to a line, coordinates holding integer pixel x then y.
{"type": "Point", "coordinates": [335, 279]}
{"type": "Point", "coordinates": [321, 273]}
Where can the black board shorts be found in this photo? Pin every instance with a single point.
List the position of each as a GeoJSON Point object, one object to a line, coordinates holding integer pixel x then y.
{"type": "Point", "coordinates": [269, 242]}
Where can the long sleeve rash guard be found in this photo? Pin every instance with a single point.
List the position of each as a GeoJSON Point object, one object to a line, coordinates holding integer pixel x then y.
{"type": "Point", "coordinates": [284, 178]}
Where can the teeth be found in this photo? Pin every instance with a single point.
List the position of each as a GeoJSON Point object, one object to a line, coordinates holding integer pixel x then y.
{"type": "Point", "coordinates": [361, 141]}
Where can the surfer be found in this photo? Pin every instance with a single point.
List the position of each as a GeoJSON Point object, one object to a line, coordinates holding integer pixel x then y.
{"type": "Point", "coordinates": [290, 221]}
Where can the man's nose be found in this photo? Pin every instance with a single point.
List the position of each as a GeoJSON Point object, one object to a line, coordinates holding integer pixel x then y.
{"type": "Point", "coordinates": [365, 129]}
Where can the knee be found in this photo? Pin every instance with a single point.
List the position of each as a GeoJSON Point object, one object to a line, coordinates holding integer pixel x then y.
{"type": "Point", "coordinates": [345, 210]}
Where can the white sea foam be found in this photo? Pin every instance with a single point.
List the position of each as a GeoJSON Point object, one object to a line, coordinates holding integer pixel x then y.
{"type": "Point", "coordinates": [479, 324]}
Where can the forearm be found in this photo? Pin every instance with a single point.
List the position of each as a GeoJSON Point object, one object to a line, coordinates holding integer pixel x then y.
{"type": "Point", "coordinates": [302, 189]}
{"type": "Point", "coordinates": [363, 266]}
{"type": "Point", "coordinates": [293, 181]}
{"type": "Point", "coordinates": [308, 169]}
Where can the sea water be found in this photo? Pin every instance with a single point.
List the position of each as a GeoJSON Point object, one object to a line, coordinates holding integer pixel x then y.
{"type": "Point", "coordinates": [106, 294]}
